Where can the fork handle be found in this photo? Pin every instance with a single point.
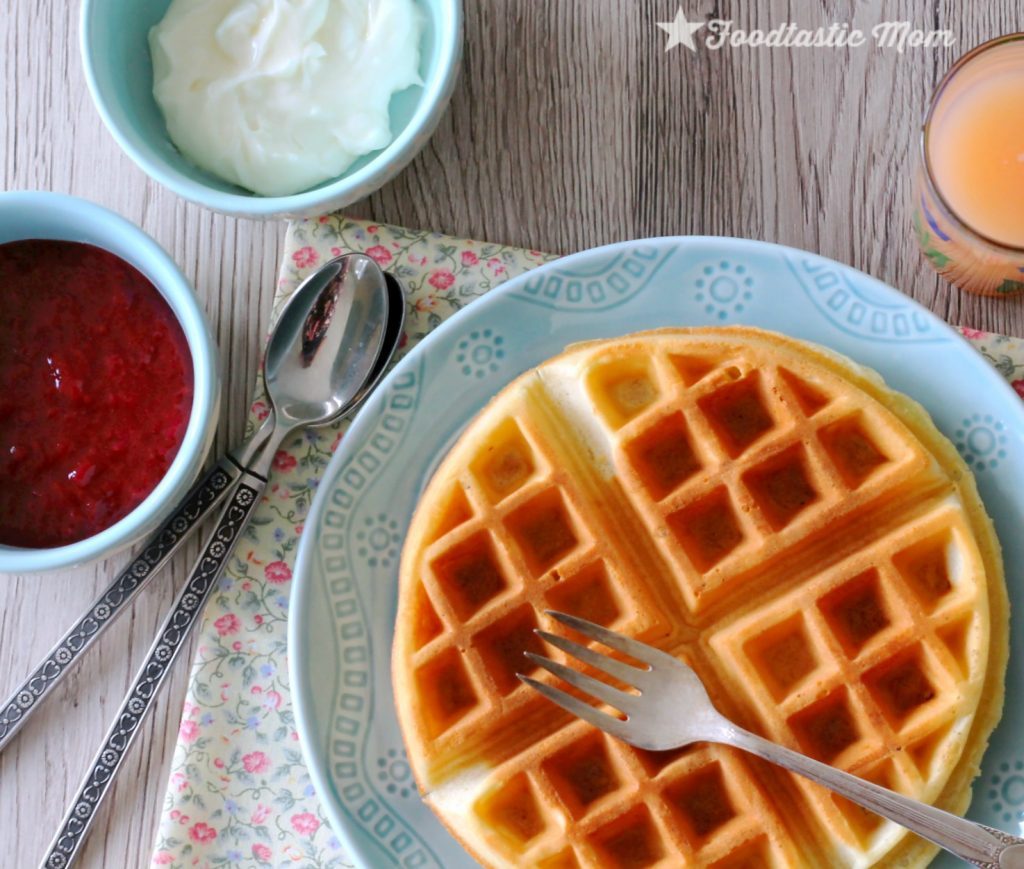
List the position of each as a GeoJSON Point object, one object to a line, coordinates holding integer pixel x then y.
{"type": "Point", "coordinates": [975, 843]}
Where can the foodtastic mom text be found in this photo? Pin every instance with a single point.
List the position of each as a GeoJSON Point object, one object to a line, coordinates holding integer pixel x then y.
{"type": "Point", "coordinates": [898, 35]}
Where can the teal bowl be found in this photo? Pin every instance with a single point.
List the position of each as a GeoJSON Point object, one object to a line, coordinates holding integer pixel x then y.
{"type": "Point", "coordinates": [31, 215]}
{"type": "Point", "coordinates": [115, 51]}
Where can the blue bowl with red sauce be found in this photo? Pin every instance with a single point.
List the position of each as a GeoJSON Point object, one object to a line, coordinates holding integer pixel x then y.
{"type": "Point", "coordinates": [163, 389]}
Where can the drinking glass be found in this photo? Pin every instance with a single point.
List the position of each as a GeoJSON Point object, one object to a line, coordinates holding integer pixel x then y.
{"type": "Point", "coordinates": [978, 243]}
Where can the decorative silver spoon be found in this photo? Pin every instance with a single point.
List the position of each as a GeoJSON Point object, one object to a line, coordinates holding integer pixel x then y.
{"type": "Point", "coordinates": [323, 350]}
{"type": "Point", "coordinates": [200, 501]}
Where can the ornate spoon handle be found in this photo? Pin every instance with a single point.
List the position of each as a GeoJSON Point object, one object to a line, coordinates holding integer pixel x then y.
{"type": "Point", "coordinates": [116, 598]}
{"type": "Point", "coordinates": [201, 499]}
{"type": "Point", "coordinates": [169, 642]}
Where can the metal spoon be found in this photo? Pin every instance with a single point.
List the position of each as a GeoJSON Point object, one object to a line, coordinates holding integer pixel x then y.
{"type": "Point", "coordinates": [323, 349]}
{"type": "Point", "coordinates": [200, 501]}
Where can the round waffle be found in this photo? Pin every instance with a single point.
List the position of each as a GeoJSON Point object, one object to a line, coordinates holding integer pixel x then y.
{"type": "Point", "coordinates": [766, 510]}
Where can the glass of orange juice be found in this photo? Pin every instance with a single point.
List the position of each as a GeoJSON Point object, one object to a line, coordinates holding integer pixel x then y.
{"type": "Point", "coordinates": [969, 190]}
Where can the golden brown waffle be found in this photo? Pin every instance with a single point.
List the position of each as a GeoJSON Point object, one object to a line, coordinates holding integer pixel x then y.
{"type": "Point", "coordinates": [766, 510]}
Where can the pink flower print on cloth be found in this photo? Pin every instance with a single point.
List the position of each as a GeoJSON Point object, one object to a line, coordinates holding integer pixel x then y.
{"type": "Point", "coordinates": [305, 257]}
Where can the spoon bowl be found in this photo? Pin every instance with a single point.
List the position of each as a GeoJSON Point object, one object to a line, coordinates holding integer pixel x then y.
{"type": "Point", "coordinates": [327, 341]}
{"type": "Point", "coordinates": [392, 338]}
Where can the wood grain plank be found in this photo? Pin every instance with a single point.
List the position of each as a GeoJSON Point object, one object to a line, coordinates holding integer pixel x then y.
{"type": "Point", "coordinates": [570, 127]}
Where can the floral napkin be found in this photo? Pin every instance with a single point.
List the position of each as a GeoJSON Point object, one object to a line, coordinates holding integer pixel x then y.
{"type": "Point", "coordinates": [239, 793]}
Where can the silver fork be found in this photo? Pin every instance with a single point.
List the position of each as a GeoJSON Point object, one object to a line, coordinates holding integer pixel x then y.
{"type": "Point", "coordinates": [671, 709]}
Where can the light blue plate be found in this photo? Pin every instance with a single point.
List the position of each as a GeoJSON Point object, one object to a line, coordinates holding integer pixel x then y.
{"type": "Point", "coordinates": [346, 579]}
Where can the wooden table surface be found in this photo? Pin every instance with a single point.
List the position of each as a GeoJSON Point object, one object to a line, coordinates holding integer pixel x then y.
{"type": "Point", "coordinates": [570, 127]}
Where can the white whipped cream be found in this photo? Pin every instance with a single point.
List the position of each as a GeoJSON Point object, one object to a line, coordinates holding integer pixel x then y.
{"type": "Point", "coordinates": [278, 96]}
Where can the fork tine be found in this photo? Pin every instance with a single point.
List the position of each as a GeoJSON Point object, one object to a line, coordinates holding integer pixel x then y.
{"type": "Point", "coordinates": [634, 648]}
{"type": "Point", "coordinates": [616, 669]}
{"type": "Point", "coordinates": [587, 684]}
{"type": "Point", "coordinates": [575, 706]}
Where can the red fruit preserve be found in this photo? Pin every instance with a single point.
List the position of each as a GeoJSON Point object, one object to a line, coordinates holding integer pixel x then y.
{"type": "Point", "coordinates": [95, 391]}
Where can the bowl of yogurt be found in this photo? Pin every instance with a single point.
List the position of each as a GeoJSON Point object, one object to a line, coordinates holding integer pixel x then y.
{"type": "Point", "coordinates": [271, 108]}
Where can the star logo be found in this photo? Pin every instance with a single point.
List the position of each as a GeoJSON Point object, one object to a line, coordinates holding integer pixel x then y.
{"type": "Point", "coordinates": [680, 31]}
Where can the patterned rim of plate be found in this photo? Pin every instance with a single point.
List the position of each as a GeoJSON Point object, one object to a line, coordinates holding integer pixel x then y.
{"type": "Point", "coordinates": [346, 573]}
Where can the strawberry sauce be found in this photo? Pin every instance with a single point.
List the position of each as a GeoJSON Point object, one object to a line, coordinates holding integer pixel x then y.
{"type": "Point", "coordinates": [95, 391]}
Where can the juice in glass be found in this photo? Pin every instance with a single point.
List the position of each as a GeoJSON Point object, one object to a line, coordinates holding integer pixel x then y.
{"type": "Point", "coordinates": [969, 194]}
